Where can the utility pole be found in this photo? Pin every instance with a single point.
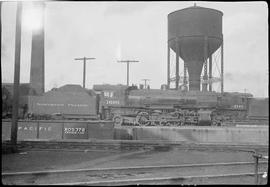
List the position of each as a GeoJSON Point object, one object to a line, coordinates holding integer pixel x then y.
{"type": "Point", "coordinates": [1, 23]}
{"type": "Point", "coordinates": [15, 105]}
{"type": "Point", "coordinates": [145, 82]}
{"type": "Point", "coordinates": [84, 66]}
{"type": "Point", "coordinates": [127, 62]}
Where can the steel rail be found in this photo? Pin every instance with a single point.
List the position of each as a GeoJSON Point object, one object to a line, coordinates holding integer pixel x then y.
{"type": "Point", "coordinates": [174, 180]}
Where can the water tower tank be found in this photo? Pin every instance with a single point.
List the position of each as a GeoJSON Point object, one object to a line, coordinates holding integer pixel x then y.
{"type": "Point", "coordinates": [190, 30]}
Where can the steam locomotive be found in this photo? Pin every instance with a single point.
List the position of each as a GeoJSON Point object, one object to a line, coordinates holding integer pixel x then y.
{"type": "Point", "coordinates": [128, 105]}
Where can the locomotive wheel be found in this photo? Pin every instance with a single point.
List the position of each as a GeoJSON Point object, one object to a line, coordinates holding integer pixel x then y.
{"type": "Point", "coordinates": [156, 123]}
{"type": "Point", "coordinates": [176, 123]}
{"type": "Point", "coordinates": [168, 124]}
{"type": "Point", "coordinates": [118, 120]}
{"type": "Point", "coordinates": [175, 114]}
{"type": "Point", "coordinates": [142, 118]}
{"type": "Point", "coordinates": [163, 122]}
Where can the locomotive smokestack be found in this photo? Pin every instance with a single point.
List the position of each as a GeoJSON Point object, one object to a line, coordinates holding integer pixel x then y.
{"type": "Point", "coordinates": [37, 54]}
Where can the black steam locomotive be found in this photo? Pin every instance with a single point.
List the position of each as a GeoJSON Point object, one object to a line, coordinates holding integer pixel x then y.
{"type": "Point", "coordinates": [132, 106]}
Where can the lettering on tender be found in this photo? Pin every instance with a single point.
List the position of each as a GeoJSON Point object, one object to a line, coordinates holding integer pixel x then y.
{"type": "Point", "coordinates": [33, 128]}
{"type": "Point", "coordinates": [72, 130]}
{"type": "Point", "coordinates": [112, 102]}
{"type": "Point", "coordinates": [61, 104]}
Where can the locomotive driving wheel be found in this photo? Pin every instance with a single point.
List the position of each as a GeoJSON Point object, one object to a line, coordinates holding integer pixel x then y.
{"type": "Point", "coordinates": [162, 121]}
{"type": "Point", "coordinates": [118, 120]}
{"type": "Point", "coordinates": [143, 119]}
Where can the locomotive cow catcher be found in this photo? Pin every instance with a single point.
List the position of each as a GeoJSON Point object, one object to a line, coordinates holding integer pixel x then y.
{"type": "Point", "coordinates": [128, 105]}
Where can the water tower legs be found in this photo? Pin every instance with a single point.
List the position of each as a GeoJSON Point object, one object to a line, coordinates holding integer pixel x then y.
{"type": "Point", "coordinates": [222, 68]}
{"type": "Point", "coordinates": [168, 65]}
{"type": "Point", "coordinates": [185, 75]}
{"type": "Point", "coordinates": [210, 73]}
{"type": "Point", "coordinates": [204, 84]}
{"type": "Point", "coordinates": [177, 65]}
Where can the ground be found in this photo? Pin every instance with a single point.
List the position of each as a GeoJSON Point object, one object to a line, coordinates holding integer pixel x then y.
{"type": "Point", "coordinates": [47, 160]}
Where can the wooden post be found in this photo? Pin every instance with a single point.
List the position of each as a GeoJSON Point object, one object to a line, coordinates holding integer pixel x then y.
{"type": "Point", "coordinates": [37, 129]}
{"type": "Point", "coordinates": [84, 66]}
{"type": "Point", "coordinates": [63, 131]}
{"type": "Point", "coordinates": [256, 159]}
{"type": "Point", "coordinates": [127, 73]}
{"type": "Point", "coordinates": [127, 62]}
{"type": "Point", "coordinates": [87, 129]}
{"type": "Point", "coordinates": [15, 106]}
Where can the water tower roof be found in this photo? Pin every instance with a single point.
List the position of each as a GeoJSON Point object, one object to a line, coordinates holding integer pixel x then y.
{"type": "Point", "coordinates": [196, 7]}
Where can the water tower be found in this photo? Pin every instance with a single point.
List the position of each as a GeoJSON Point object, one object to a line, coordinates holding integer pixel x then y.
{"type": "Point", "coordinates": [194, 34]}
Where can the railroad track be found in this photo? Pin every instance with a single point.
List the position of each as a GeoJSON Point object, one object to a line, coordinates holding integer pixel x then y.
{"type": "Point", "coordinates": [203, 179]}
{"type": "Point", "coordinates": [223, 173]}
{"type": "Point", "coordinates": [131, 145]}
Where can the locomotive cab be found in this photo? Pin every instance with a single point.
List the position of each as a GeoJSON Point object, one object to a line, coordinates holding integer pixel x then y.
{"type": "Point", "coordinates": [111, 98]}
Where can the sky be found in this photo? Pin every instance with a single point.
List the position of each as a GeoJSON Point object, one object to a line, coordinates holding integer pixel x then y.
{"type": "Point", "coordinates": [111, 31]}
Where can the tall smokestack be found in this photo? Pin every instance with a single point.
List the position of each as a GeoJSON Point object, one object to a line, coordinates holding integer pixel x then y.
{"type": "Point", "coordinates": [37, 54]}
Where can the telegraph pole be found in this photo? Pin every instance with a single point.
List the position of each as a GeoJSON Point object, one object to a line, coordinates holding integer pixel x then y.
{"type": "Point", "coordinates": [127, 62]}
{"type": "Point", "coordinates": [145, 82]}
{"type": "Point", "coordinates": [84, 66]}
{"type": "Point", "coordinates": [15, 105]}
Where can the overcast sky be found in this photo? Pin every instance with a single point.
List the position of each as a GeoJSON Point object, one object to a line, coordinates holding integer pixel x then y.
{"type": "Point", "coordinates": [110, 31]}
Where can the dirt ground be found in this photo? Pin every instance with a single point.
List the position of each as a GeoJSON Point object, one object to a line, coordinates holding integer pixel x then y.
{"type": "Point", "coordinates": [48, 160]}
